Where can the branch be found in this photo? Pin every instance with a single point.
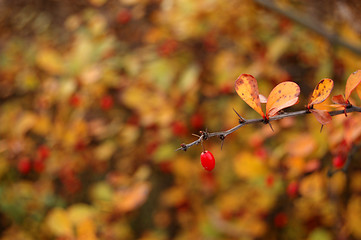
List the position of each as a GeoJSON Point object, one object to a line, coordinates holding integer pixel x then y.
{"type": "Point", "coordinates": [242, 122]}
{"type": "Point", "coordinates": [312, 24]}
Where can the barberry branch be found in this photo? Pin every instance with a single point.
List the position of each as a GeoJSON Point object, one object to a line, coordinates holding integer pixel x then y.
{"type": "Point", "coordinates": [205, 135]}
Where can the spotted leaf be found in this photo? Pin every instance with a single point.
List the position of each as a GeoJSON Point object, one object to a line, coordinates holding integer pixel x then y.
{"type": "Point", "coordinates": [321, 92]}
{"type": "Point", "coordinates": [247, 88]}
{"type": "Point", "coordinates": [283, 95]}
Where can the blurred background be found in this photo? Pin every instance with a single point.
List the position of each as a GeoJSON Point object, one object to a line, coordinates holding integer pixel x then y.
{"type": "Point", "coordinates": [96, 95]}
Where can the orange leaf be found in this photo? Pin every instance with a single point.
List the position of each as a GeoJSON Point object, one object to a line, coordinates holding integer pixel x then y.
{"type": "Point", "coordinates": [133, 197]}
{"type": "Point", "coordinates": [339, 99]}
{"type": "Point", "coordinates": [86, 230]}
{"type": "Point", "coordinates": [283, 95]}
{"type": "Point", "coordinates": [358, 90]}
{"type": "Point", "coordinates": [247, 88]}
{"type": "Point", "coordinates": [321, 92]}
{"type": "Point", "coordinates": [322, 116]}
{"type": "Point", "coordinates": [352, 82]}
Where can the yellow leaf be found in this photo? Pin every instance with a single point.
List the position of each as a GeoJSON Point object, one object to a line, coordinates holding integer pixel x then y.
{"type": "Point", "coordinates": [25, 123]}
{"type": "Point", "coordinates": [321, 92]}
{"type": "Point", "coordinates": [313, 186]}
{"type": "Point", "coordinates": [105, 151]}
{"type": "Point", "coordinates": [247, 88]}
{"type": "Point", "coordinates": [80, 212]}
{"type": "Point", "coordinates": [86, 230]}
{"type": "Point", "coordinates": [101, 196]}
{"type": "Point", "coordinates": [59, 223]}
{"type": "Point", "coordinates": [295, 166]}
{"type": "Point", "coordinates": [356, 182]}
{"type": "Point", "coordinates": [277, 47]}
{"type": "Point", "coordinates": [42, 125]}
{"type": "Point", "coordinates": [353, 217]}
{"type": "Point", "coordinates": [249, 166]}
{"type": "Point", "coordinates": [50, 61]}
{"type": "Point", "coordinates": [174, 196]}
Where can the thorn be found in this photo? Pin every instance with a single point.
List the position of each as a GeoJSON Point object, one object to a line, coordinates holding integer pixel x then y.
{"type": "Point", "coordinates": [241, 119]}
{"type": "Point", "coordinates": [196, 135]}
{"type": "Point", "coordinates": [271, 126]}
{"type": "Point", "coordinates": [321, 128]}
{"type": "Point", "coordinates": [222, 137]}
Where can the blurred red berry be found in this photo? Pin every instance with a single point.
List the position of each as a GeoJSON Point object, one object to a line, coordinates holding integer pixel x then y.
{"type": "Point", "coordinates": [133, 120]}
{"type": "Point", "coordinates": [75, 100]}
{"type": "Point", "coordinates": [209, 182]}
{"type": "Point", "coordinates": [39, 165]}
{"type": "Point", "coordinates": [24, 165]}
{"type": "Point", "coordinates": [261, 152]}
{"type": "Point", "coordinates": [281, 220]}
{"type": "Point", "coordinates": [285, 24]}
{"type": "Point", "coordinates": [106, 102]}
{"type": "Point", "coordinates": [210, 43]}
{"type": "Point", "coordinates": [207, 160]}
{"type": "Point", "coordinates": [166, 166]}
{"type": "Point", "coordinates": [179, 128]}
{"type": "Point", "coordinates": [270, 179]}
{"type": "Point", "coordinates": [124, 16]}
{"type": "Point", "coordinates": [151, 147]}
{"type": "Point", "coordinates": [43, 152]}
{"type": "Point", "coordinates": [256, 141]}
{"type": "Point", "coordinates": [338, 161]}
{"type": "Point", "coordinates": [80, 145]}
{"type": "Point", "coordinates": [226, 89]}
{"type": "Point", "coordinates": [167, 48]}
{"type": "Point", "coordinates": [197, 121]}
{"type": "Point", "coordinates": [292, 189]}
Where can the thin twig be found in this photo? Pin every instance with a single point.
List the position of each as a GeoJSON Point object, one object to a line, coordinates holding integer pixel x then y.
{"type": "Point", "coordinates": [310, 23]}
{"type": "Point", "coordinates": [223, 134]}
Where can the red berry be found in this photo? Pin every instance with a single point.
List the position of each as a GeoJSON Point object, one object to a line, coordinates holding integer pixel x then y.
{"type": "Point", "coordinates": [280, 220]}
{"type": "Point", "coordinates": [75, 100]}
{"type": "Point", "coordinates": [80, 145]}
{"type": "Point", "coordinates": [261, 152]}
{"type": "Point", "coordinates": [43, 152]}
{"type": "Point", "coordinates": [197, 121]}
{"type": "Point", "coordinates": [106, 102]}
{"type": "Point", "coordinates": [338, 161]}
{"type": "Point", "coordinates": [167, 48]}
{"type": "Point", "coordinates": [24, 165]}
{"type": "Point", "coordinates": [292, 189]}
{"type": "Point", "coordinates": [207, 160]}
{"type": "Point", "coordinates": [124, 16]}
{"type": "Point", "coordinates": [270, 179]}
{"type": "Point", "coordinates": [39, 165]}
{"type": "Point", "coordinates": [179, 128]}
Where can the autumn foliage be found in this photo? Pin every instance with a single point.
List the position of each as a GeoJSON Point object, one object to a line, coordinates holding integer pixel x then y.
{"type": "Point", "coordinates": [96, 96]}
